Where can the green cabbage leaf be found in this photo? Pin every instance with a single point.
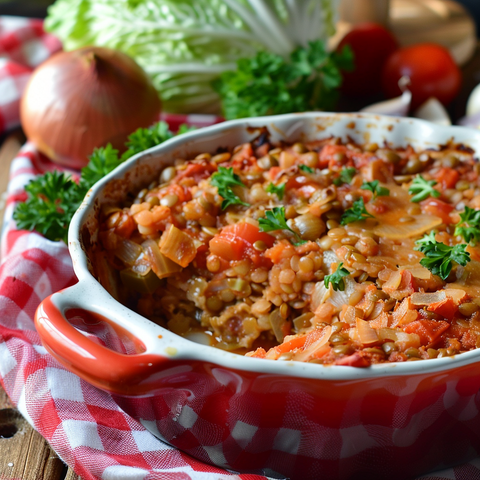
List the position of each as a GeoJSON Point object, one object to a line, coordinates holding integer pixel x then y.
{"type": "Point", "coordinates": [184, 45]}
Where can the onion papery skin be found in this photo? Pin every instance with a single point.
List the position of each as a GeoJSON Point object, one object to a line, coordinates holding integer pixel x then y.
{"type": "Point", "coordinates": [83, 99]}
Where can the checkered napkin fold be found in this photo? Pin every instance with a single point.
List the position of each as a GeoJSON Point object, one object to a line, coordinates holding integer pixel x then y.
{"type": "Point", "coordinates": [84, 425]}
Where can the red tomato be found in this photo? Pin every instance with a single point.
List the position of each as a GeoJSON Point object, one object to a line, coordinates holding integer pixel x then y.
{"type": "Point", "coordinates": [371, 45]}
{"type": "Point", "coordinates": [428, 330]}
{"type": "Point", "coordinates": [432, 72]}
{"type": "Point", "coordinates": [235, 242]}
{"type": "Point", "coordinates": [447, 177]}
{"type": "Point", "coordinates": [439, 208]}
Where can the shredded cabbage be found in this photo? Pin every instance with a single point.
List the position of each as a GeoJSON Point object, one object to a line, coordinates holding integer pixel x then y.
{"type": "Point", "coordinates": [185, 44]}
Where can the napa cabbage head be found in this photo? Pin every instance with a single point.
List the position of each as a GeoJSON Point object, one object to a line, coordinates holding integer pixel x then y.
{"type": "Point", "coordinates": [184, 45]}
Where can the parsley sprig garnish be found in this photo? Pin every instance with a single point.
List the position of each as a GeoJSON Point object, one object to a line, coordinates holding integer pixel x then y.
{"type": "Point", "coordinates": [268, 84]}
{"type": "Point", "coordinates": [224, 180]}
{"type": "Point", "coordinates": [469, 225]}
{"type": "Point", "coordinates": [422, 189]}
{"type": "Point", "coordinates": [275, 220]}
{"type": "Point", "coordinates": [346, 176]}
{"type": "Point", "coordinates": [356, 213]}
{"type": "Point", "coordinates": [144, 138]}
{"type": "Point", "coordinates": [54, 197]}
{"type": "Point", "coordinates": [336, 278]}
{"type": "Point", "coordinates": [439, 258]}
{"type": "Point", "coordinates": [52, 200]}
{"type": "Point", "coordinates": [278, 190]}
{"type": "Point", "coordinates": [376, 189]}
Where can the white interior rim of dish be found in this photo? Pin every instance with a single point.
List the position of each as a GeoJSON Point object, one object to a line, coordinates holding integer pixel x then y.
{"type": "Point", "coordinates": [91, 296]}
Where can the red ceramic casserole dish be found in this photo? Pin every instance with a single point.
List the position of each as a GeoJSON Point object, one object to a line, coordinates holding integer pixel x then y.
{"type": "Point", "coordinates": [299, 420]}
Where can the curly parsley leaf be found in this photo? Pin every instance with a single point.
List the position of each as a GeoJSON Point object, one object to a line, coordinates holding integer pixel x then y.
{"type": "Point", "coordinates": [268, 84]}
{"type": "Point", "coordinates": [336, 278]}
{"type": "Point", "coordinates": [278, 190]}
{"type": "Point", "coordinates": [52, 200]}
{"type": "Point", "coordinates": [54, 197]}
{"type": "Point", "coordinates": [145, 138]}
{"type": "Point", "coordinates": [275, 220]}
{"type": "Point", "coordinates": [101, 162]}
{"type": "Point", "coordinates": [422, 189]}
{"type": "Point", "coordinates": [469, 225]}
{"type": "Point", "coordinates": [376, 189]}
{"type": "Point", "coordinates": [346, 176]}
{"type": "Point", "coordinates": [439, 258]}
{"type": "Point", "coordinates": [356, 213]}
{"type": "Point", "coordinates": [224, 180]}
{"type": "Point", "coordinates": [306, 168]}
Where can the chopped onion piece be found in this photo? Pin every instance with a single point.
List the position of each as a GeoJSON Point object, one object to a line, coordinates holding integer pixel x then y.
{"type": "Point", "coordinates": [319, 295]}
{"type": "Point", "coordinates": [277, 322]}
{"type": "Point", "coordinates": [330, 257]}
{"type": "Point", "coordinates": [178, 246]}
{"type": "Point", "coordinates": [315, 347]}
{"type": "Point", "coordinates": [349, 316]}
{"type": "Point", "coordinates": [366, 334]}
{"type": "Point", "coordinates": [142, 268]}
{"type": "Point", "coordinates": [127, 251]}
{"type": "Point", "coordinates": [401, 313]}
{"type": "Point", "coordinates": [393, 282]}
{"type": "Point", "coordinates": [427, 298]}
{"type": "Point", "coordinates": [417, 271]}
{"type": "Point", "coordinates": [456, 294]}
{"type": "Point", "coordinates": [420, 224]}
{"type": "Point", "coordinates": [161, 265]}
{"type": "Point", "coordinates": [338, 298]}
{"type": "Point", "coordinates": [380, 322]}
{"type": "Point", "coordinates": [387, 334]}
{"type": "Point", "coordinates": [408, 340]}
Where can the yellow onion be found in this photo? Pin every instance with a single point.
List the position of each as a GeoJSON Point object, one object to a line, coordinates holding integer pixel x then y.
{"type": "Point", "coordinates": [83, 99]}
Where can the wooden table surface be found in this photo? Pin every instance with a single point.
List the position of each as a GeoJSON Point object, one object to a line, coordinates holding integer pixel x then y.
{"type": "Point", "coordinates": [24, 453]}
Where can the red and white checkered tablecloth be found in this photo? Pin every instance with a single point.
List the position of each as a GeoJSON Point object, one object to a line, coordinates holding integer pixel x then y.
{"type": "Point", "coordinates": [84, 425]}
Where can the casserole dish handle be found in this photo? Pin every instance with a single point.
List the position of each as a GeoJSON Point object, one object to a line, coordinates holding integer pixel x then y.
{"type": "Point", "coordinates": [105, 368]}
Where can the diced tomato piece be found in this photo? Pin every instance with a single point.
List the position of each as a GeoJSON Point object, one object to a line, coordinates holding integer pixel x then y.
{"type": "Point", "coordinates": [377, 169]}
{"type": "Point", "coordinates": [406, 287]}
{"type": "Point", "coordinates": [380, 205]}
{"type": "Point", "coordinates": [197, 171]}
{"type": "Point", "coordinates": [282, 249]}
{"type": "Point", "coordinates": [273, 172]}
{"type": "Point", "coordinates": [303, 186]}
{"type": "Point", "coordinates": [447, 177]}
{"type": "Point", "coordinates": [235, 242]}
{"type": "Point", "coordinates": [354, 360]}
{"type": "Point", "coordinates": [126, 226]}
{"type": "Point", "coordinates": [438, 208]}
{"type": "Point", "coordinates": [258, 353]}
{"type": "Point", "coordinates": [429, 331]}
{"type": "Point", "coordinates": [183, 193]}
{"type": "Point", "coordinates": [244, 158]}
{"type": "Point", "coordinates": [243, 153]}
{"type": "Point", "coordinates": [291, 343]}
{"type": "Point", "coordinates": [331, 156]}
{"type": "Point", "coordinates": [446, 308]}
{"type": "Point", "coordinates": [361, 159]}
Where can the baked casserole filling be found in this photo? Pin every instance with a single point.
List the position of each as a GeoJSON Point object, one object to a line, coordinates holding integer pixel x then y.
{"type": "Point", "coordinates": [328, 252]}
